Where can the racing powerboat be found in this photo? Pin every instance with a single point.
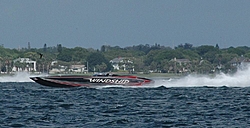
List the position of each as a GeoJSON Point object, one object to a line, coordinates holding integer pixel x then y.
{"type": "Point", "coordinates": [90, 81]}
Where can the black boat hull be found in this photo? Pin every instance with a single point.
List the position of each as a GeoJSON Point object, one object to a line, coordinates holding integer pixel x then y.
{"type": "Point", "coordinates": [90, 81]}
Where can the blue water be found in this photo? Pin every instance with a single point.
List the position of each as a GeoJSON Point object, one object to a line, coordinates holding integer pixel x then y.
{"type": "Point", "coordinates": [27, 104]}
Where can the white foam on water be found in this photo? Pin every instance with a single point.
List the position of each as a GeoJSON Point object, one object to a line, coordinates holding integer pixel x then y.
{"type": "Point", "coordinates": [18, 77]}
{"type": "Point", "coordinates": [240, 79]}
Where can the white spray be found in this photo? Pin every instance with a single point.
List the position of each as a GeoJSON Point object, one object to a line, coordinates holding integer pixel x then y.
{"type": "Point", "coordinates": [18, 77]}
{"type": "Point", "coordinates": [240, 79]}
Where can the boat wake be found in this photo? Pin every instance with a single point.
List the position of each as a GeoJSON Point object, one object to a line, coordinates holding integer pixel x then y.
{"type": "Point", "coordinates": [18, 77]}
{"type": "Point", "coordinates": [239, 79]}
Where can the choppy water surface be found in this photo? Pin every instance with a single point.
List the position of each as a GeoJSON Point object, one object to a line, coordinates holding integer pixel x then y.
{"type": "Point", "coordinates": [31, 105]}
{"type": "Point", "coordinates": [185, 102]}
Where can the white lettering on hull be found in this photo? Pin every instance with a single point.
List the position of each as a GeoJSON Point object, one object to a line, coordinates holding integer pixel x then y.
{"type": "Point", "coordinates": [106, 80]}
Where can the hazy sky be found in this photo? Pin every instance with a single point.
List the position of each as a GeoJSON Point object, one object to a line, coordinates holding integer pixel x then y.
{"type": "Point", "coordinates": [93, 23]}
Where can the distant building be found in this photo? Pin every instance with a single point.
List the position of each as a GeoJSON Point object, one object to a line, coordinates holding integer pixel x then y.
{"type": "Point", "coordinates": [116, 62]}
{"type": "Point", "coordinates": [181, 61]}
{"type": "Point", "coordinates": [120, 63]}
{"type": "Point", "coordinates": [30, 65]}
{"type": "Point", "coordinates": [77, 68]}
{"type": "Point", "coordinates": [239, 61]}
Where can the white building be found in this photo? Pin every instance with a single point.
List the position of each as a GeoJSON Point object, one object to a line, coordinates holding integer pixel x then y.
{"type": "Point", "coordinates": [77, 68]}
{"type": "Point", "coordinates": [27, 61]}
{"type": "Point", "coordinates": [120, 63]}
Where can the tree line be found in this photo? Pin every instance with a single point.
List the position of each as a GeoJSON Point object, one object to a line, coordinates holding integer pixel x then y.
{"type": "Point", "coordinates": [146, 58]}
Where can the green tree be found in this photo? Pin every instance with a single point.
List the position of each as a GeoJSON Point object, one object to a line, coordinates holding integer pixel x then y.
{"type": "Point", "coordinates": [80, 54]}
{"type": "Point", "coordinates": [102, 67]}
{"type": "Point", "coordinates": [96, 59]}
{"type": "Point", "coordinates": [45, 48]}
{"type": "Point", "coordinates": [204, 67]}
{"type": "Point", "coordinates": [210, 55]}
{"type": "Point", "coordinates": [238, 51]}
{"type": "Point", "coordinates": [202, 50]}
{"type": "Point", "coordinates": [66, 55]}
{"type": "Point", "coordinates": [59, 48]}
{"type": "Point", "coordinates": [168, 54]}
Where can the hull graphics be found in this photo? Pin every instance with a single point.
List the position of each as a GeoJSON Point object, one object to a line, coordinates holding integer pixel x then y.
{"type": "Point", "coordinates": [88, 81]}
{"type": "Point", "coordinates": [56, 83]}
{"type": "Point", "coordinates": [109, 80]}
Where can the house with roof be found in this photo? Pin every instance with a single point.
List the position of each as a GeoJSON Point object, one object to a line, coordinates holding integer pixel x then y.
{"type": "Point", "coordinates": [239, 61]}
{"type": "Point", "coordinates": [78, 68]}
{"type": "Point", "coordinates": [30, 65]}
{"type": "Point", "coordinates": [120, 63]}
{"type": "Point", "coordinates": [181, 61]}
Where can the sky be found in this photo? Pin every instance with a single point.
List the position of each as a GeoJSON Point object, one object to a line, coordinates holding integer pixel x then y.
{"type": "Point", "coordinates": [93, 23]}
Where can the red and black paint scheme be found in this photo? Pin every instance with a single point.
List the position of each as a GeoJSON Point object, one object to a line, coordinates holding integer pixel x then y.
{"type": "Point", "coordinates": [65, 81]}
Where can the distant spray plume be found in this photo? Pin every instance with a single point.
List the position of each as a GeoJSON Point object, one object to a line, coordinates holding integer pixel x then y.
{"type": "Point", "coordinates": [18, 77]}
{"type": "Point", "coordinates": [239, 79]}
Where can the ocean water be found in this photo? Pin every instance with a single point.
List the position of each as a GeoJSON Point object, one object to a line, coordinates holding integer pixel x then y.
{"type": "Point", "coordinates": [191, 101]}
